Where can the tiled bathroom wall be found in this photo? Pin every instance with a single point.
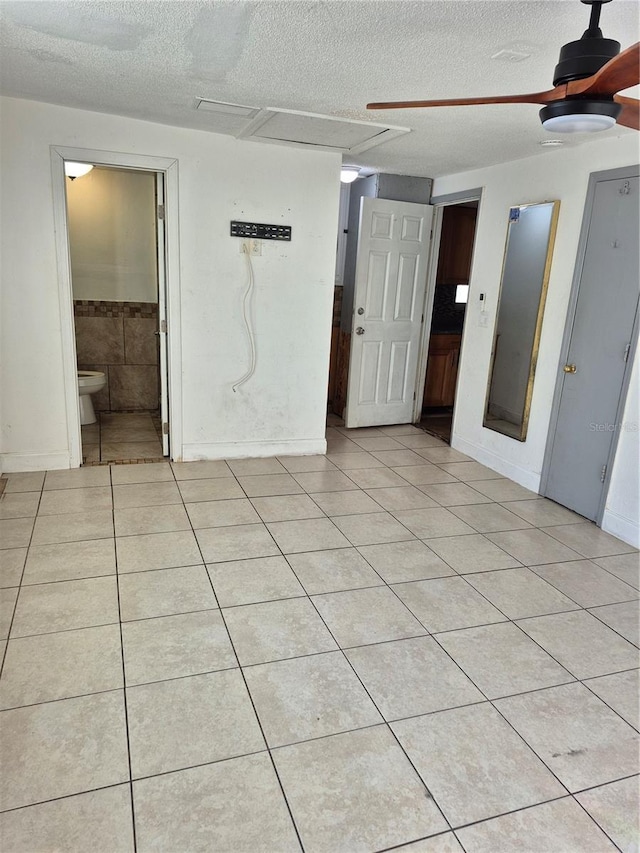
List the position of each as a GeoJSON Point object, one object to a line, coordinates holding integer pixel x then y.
{"type": "Point", "coordinates": [118, 338]}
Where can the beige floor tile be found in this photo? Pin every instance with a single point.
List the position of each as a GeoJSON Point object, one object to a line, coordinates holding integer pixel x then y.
{"type": "Point", "coordinates": [406, 678]}
{"type": "Point", "coordinates": [78, 478]}
{"type": "Point", "coordinates": [581, 643]}
{"type": "Point", "coordinates": [49, 607]}
{"type": "Point", "coordinates": [222, 513]}
{"type": "Point", "coordinates": [419, 439]}
{"type": "Point", "coordinates": [311, 535]}
{"type": "Point", "coordinates": [81, 500]}
{"type": "Point", "coordinates": [378, 442]}
{"type": "Point", "coordinates": [165, 592]}
{"type": "Point", "coordinates": [501, 660]}
{"type": "Point", "coordinates": [364, 616]}
{"type": "Point", "coordinates": [623, 566]}
{"type": "Point", "coordinates": [581, 740]}
{"type": "Point", "coordinates": [275, 630]}
{"type": "Point", "coordinates": [401, 430]}
{"type": "Point", "coordinates": [54, 529]}
{"type": "Point", "coordinates": [287, 508]}
{"type": "Point", "coordinates": [176, 646]}
{"type": "Point", "coordinates": [474, 764]}
{"type": "Point", "coordinates": [309, 697]}
{"type": "Point", "coordinates": [248, 467]}
{"type": "Point", "coordinates": [146, 494]}
{"type": "Point", "coordinates": [354, 461]}
{"type": "Point", "coordinates": [444, 843]}
{"type": "Point", "coordinates": [375, 478]}
{"type": "Point", "coordinates": [69, 561]}
{"type": "Point", "coordinates": [97, 820]}
{"type": "Point", "coordinates": [424, 474]}
{"type": "Point", "coordinates": [234, 805]}
{"type": "Point", "coordinates": [399, 458]}
{"type": "Point", "coordinates": [373, 528]}
{"type": "Point", "coordinates": [15, 532]}
{"type": "Point", "coordinates": [438, 455]}
{"type": "Point", "coordinates": [355, 791]}
{"type": "Point", "coordinates": [134, 435]}
{"type": "Point", "coordinates": [188, 721]}
{"type": "Point", "coordinates": [19, 504]}
{"type": "Point", "coordinates": [557, 827]}
{"type": "Point", "coordinates": [342, 445]}
{"type": "Point", "coordinates": [251, 581]}
{"type": "Point", "coordinates": [470, 471]}
{"type": "Point", "coordinates": [620, 691]}
{"type": "Point", "coordinates": [59, 666]}
{"type": "Point", "coordinates": [111, 451]}
{"type": "Point", "coordinates": [29, 481]}
{"type": "Point", "coordinates": [586, 583]}
{"type": "Point", "coordinates": [333, 570]}
{"type": "Point", "coordinates": [265, 485]}
{"type": "Point", "coordinates": [150, 472]}
{"type": "Point", "coordinates": [615, 808]}
{"type": "Point", "coordinates": [428, 523]}
{"type": "Point", "coordinates": [520, 593]}
{"type": "Point", "coordinates": [623, 618]}
{"type": "Point", "coordinates": [324, 481]}
{"type": "Point", "coordinates": [62, 748]}
{"type": "Point", "coordinates": [151, 519]}
{"type": "Point", "coordinates": [157, 551]}
{"type": "Point", "coordinates": [302, 464]}
{"type": "Point", "coordinates": [454, 494]}
{"type": "Point", "coordinates": [346, 503]}
{"type": "Point", "coordinates": [359, 432]}
{"type": "Point", "coordinates": [240, 542]}
{"type": "Point", "coordinates": [218, 489]}
{"type": "Point", "coordinates": [533, 547]}
{"type": "Point", "coordinates": [7, 605]}
{"type": "Point", "coordinates": [502, 489]}
{"type": "Point", "coordinates": [397, 562]}
{"type": "Point", "coordinates": [90, 453]}
{"type": "Point", "coordinates": [446, 604]}
{"type": "Point", "coordinates": [489, 517]}
{"type": "Point", "coordinates": [542, 512]}
{"type": "Point", "coordinates": [401, 497]}
{"type": "Point", "coordinates": [589, 541]}
{"type": "Point", "coordinates": [11, 566]}
{"type": "Point", "coordinates": [468, 554]}
{"type": "Point", "coordinates": [200, 470]}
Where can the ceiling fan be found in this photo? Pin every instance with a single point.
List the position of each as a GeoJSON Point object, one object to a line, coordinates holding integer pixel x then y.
{"type": "Point", "coordinates": [586, 82]}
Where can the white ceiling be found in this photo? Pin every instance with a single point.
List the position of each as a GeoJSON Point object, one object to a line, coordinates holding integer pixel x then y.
{"type": "Point", "coordinates": [151, 60]}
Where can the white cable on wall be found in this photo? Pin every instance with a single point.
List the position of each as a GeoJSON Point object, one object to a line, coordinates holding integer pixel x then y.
{"type": "Point", "coordinates": [247, 320]}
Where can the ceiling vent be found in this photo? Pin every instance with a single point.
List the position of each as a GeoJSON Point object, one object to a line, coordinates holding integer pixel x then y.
{"type": "Point", "coordinates": [222, 108]}
{"type": "Point", "coordinates": [319, 132]}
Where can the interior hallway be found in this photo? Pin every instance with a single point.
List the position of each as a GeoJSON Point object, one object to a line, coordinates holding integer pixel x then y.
{"type": "Point", "coordinates": [342, 653]}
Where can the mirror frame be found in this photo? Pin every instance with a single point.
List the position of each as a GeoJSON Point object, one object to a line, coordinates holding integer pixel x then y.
{"type": "Point", "coordinates": [533, 361]}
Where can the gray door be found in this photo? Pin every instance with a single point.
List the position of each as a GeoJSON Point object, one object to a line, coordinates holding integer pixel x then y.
{"type": "Point", "coordinates": [599, 350]}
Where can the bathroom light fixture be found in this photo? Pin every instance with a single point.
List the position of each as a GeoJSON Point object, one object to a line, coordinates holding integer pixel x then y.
{"type": "Point", "coordinates": [76, 170]}
{"type": "Point", "coordinates": [348, 174]}
{"type": "Point", "coordinates": [572, 116]}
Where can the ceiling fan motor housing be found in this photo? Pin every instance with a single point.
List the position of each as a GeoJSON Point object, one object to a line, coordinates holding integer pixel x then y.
{"type": "Point", "coordinates": [582, 58]}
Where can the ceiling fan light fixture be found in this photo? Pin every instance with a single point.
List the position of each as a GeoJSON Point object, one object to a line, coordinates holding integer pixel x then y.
{"type": "Point", "coordinates": [348, 174]}
{"type": "Point", "coordinates": [572, 116]}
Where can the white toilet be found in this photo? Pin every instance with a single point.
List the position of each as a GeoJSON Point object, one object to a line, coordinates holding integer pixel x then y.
{"type": "Point", "coordinates": [89, 382]}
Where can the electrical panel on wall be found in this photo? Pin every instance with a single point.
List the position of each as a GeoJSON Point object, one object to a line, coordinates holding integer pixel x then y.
{"type": "Point", "coordinates": [260, 231]}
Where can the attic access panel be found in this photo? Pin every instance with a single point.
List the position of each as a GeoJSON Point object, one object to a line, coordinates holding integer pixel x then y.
{"type": "Point", "coordinates": [311, 130]}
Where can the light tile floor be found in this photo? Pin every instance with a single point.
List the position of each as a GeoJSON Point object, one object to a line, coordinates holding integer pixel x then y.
{"type": "Point", "coordinates": [122, 436]}
{"type": "Point", "coordinates": [388, 647]}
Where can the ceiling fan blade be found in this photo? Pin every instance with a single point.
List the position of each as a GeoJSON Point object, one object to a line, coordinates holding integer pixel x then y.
{"type": "Point", "coordinates": [534, 98]}
{"type": "Point", "coordinates": [630, 115]}
{"type": "Point", "coordinates": [618, 74]}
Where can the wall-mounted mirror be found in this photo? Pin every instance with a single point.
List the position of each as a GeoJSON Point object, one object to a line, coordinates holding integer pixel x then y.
{"type": "Point", "coordinates": [523, 290]}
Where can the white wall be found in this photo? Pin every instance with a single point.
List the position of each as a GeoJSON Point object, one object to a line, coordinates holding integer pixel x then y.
{"type": "Point", "coordinates": [112, 235]}
{"type": "Point", "coordinates": [558, 174]}
{"type": "Point", "coordinates": [283, 408]}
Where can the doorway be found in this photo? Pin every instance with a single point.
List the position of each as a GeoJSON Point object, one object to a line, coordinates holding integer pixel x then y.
{"type": "Point", "coordinates": [138, 412]}
{"type": "Point", "coordinates": [450, 298]}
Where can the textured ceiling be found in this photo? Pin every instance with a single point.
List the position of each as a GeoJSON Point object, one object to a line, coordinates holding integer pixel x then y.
{"type": "Point", "coordinates": [151, 60]}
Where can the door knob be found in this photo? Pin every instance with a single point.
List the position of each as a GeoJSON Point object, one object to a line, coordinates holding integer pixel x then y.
{"type": "Point", "coordinates": [569, 368]}
{"type": "Point", "coordinates": [359, 331]}
{"type": "Point", "coordinates": [360, 310]}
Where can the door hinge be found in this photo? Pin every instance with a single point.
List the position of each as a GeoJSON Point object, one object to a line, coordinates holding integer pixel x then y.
{"type": "Point", "coordinates": [165, 428]}
{"type": "Point", "coordinates": [163, 325]}
{"type": "Point", "coordinates": [627, 350]}
{"type": "Point", "coordinates": [414, 395]}
{"type": "Point", "coordinates": [603, 473]}
{"type": "Point", "coordinates": [161, 211]}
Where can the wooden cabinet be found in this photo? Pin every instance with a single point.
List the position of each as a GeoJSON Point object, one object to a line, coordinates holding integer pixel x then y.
{"type": "Point", "coordinates": [442, 370]}
{"type": "Point", "coordinates": [456, 245]}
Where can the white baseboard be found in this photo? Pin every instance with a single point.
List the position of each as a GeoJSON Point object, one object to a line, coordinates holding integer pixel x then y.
{"type": "Point", "coordinates": [15, 463]}
{"type": "Point", "coordinates": [253, 449]}
{"type": "Point", "coordinates": [528, 479]}
{"type": "Point", "coordinates": [623, 528]}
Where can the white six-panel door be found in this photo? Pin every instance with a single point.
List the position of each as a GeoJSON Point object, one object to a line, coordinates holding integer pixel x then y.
{"type": "Point", "coordinates": [391, 275]}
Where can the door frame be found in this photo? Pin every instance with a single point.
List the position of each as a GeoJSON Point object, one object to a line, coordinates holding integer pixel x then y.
{"type": "Point", "coordinates": [594, 178]}
{"type": "Point", "coordinates": [140, 162]}
{"type": "Point", "coordinates": [439, 203]}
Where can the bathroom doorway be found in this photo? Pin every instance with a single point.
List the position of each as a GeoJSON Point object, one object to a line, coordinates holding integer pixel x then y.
{"type": "Point", "coordinates": [114, 258]}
